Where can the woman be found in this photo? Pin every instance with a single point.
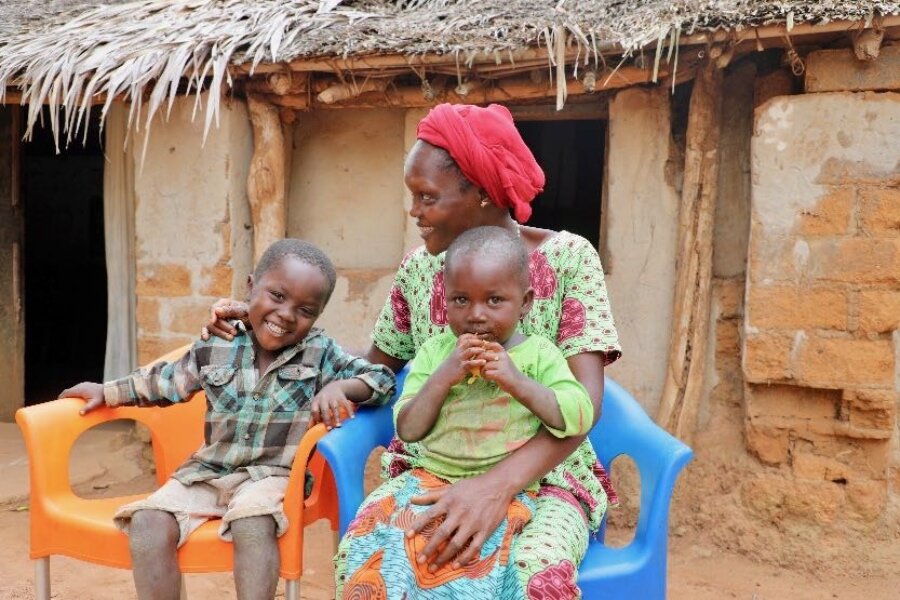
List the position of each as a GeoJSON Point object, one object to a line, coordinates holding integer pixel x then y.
{"type": "Point", "coordinates": [469, 168]}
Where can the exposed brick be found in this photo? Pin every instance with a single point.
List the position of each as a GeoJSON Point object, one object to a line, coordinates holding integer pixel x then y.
{"type": "Point", "coordinates": [805, 465]}
{"type": "Point", "coordinates": [870, 413]}
{"type": "Point", "coordinates": [773, 259]}
{"type": "Point", "coordinates": [151, 348]}
{"type": "Point", "coordinates": [728, 345]}
{"type": "Point", "coordinates": [840, 70]}
{"type": "Point", "coordinates": [147, 310]}
{"type": "Point", "coordinates": [792, 402]}
{"type": "Point", "coordinates": [216, 281]}
{"type": "Point", "coordinates": [879, 310]}
{"type": "Point", "coordinates": [866, 458]}
{"type": "Point", "coordinates": [837, 171]}
{"type": "Point", "coordinates": [767, 357]}
{"type": "Point", "coordinates": [730, 293]}
{"type": "Point", "coordinates": [879, 211]}
{"type": "Point", "coordinates": [189, 314]}
{"type": "Point", "coordinates": [168, 280]}
{"type": "Point", "coordinates": [769, 444]}
{"type": "Point", "coordinates": [868, 498]}
{"type": "Point", "coordinates": [841, 363]}
{"type": "Point", "coordinates": [771, 85]}
{"type": "Point", "coordinates": [856, 260]}
{"type": "Point", "coordinates": [830, 216]}
{"type": "Point", "coordinates": [816, 501]}
{"type": "Point", "coordinates": [791, 307]}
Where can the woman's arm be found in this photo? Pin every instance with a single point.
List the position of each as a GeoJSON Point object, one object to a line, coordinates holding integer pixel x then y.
{"type": "Point", "coordinates": [378, 357]}
{"type": "Point", "coordinates": [473, 508]}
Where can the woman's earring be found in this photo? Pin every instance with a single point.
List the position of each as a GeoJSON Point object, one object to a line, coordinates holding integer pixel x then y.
{"type": "Point", "coordinates": [484, 202]}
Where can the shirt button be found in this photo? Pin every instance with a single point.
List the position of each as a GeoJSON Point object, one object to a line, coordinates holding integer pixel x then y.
{"type": "Point", "coordinates": [246, 436]}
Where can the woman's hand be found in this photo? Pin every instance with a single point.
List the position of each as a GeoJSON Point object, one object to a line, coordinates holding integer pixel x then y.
{"type": "Point", "coordinates": [89, 391]}
{"type": "Point", "coordinates": [224, 310]}
{"type": "Point", "coordinates": [331, 406]}
{"type": "Point", "coordinates": [472, 509]}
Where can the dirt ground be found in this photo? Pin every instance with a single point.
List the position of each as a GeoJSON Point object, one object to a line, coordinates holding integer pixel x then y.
{"type": "Point", "coordinates": [698, 568]}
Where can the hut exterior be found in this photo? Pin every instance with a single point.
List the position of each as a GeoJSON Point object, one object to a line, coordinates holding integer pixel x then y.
{"type": "Point", "coordinates": [747, 170]}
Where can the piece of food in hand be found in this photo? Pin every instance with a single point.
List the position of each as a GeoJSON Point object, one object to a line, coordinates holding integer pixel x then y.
{"type": "Point", "coordinates": [473, 375]}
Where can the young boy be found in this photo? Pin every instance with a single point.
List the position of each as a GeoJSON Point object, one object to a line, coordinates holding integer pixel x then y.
{"type": "Point", "coordinates": [264, 389]}
{"type": "Point", "coordinates": [472, 397]}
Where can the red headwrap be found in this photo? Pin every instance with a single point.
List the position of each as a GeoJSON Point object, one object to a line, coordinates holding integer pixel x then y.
{"type": "Point", "coordinates": [489, 151]}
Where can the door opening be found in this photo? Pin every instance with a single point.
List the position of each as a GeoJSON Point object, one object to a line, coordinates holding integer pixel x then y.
{"type": "Point", "coordinates": [571, 152]}
{"type": "Point", "coordinates": [65, 262]}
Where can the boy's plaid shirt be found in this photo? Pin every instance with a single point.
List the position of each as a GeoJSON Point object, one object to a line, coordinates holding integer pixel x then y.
{"type": "Point", "coordinates": [253, 423]}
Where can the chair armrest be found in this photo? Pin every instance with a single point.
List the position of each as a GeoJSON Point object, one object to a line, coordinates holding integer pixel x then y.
{"type": "Point", "coordinates": [347, 448]}
{"type": "Point", "coordinates": [293, 495]}
{"type": "Point", "coordinates": [50, 431]}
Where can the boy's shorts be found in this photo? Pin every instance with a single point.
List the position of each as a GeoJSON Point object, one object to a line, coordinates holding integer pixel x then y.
{"type": "Point", "coordinates": [229, 498]}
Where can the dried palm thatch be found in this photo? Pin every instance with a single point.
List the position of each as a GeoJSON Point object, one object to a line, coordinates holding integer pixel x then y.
{"type": "Point", "coordinates": [68, 53]}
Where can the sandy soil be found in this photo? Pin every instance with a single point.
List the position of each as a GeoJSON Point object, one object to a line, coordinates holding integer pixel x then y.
{"type": "Point", "coordinates": [697, 569]}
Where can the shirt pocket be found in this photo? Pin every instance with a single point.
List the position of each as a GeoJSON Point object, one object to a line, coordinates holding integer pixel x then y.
{"type": "Point", "coordinates": [218, 385]}
{"type": "Point", "coordinates": [297, 385]}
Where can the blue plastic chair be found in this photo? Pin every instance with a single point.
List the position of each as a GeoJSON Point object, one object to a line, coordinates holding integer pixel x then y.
{"type": "Point", "coordinates": [636, 571]}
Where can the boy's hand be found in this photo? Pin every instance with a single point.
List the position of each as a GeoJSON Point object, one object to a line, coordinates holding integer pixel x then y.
{"type": "Point", "coordinates": [328, 404]}
{"type": "Point", "coordinates": [92, 392]}
{"type": "Point", "coordinates": [224, 310]}
{"type": "Point", "coordinates": [465, 358]}
{"type": "Point", "coordinates": [499, 367]}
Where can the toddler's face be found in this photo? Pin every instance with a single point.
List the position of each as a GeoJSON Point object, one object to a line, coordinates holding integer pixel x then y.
{"type": "Point", "coordinates": [285, 303]}
{"type": "Point", "coordinates": [485, 297]}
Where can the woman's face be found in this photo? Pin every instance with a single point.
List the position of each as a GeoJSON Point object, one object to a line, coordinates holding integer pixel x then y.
{"type": "Point", "coordinates": [443, 205]}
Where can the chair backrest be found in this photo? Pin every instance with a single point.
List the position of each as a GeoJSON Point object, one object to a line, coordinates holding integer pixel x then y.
{"type": "Point", "coordinates": [620, 418]}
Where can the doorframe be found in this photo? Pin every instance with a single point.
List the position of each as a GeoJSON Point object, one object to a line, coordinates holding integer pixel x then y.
{"type": "Point", "coordinates": [119, 233]}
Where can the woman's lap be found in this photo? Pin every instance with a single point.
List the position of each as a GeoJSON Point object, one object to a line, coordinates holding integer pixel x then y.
{"type": "Point", "coordinates": [375, 553]}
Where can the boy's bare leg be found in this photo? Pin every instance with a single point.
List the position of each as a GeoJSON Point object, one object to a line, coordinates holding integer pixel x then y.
{"type": "Point", "coordinates": [256, 557]}
{"type": "Point", "coordinates": [153, 539]}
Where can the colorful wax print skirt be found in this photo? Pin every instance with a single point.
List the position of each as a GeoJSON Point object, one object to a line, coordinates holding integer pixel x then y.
{"type": "Point", "coordinates": [377, 561]}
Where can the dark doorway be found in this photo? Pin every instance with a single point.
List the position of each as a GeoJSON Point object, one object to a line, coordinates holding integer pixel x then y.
{"type": "Point", "coordinates": [572, 156]}
{"type": "Point", "coordinates": [65, 262]}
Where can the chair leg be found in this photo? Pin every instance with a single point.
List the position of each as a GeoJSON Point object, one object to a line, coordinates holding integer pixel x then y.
{"type": "Point", "coordinates": [292, 589]}
{"type": "Point", "coordinates": [42, 578]}
{"type": "Point", "coordinates": [183, 588]}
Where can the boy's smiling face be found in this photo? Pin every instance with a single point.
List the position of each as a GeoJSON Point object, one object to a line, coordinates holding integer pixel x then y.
{"type": "Point", "coordinates": [285, 302]}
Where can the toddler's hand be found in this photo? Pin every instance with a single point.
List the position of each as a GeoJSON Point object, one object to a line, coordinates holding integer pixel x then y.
{"type": "Point", "coordinates": [498, 366]}
{"type": "Point", "coordinates": [330, 406]}
{"type": "Point", "coordinates": [91, 392]}
{"type": "Point", "coordinates": [465, 359]}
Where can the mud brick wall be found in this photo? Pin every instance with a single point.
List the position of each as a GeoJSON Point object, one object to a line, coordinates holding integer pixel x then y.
{"type": "Point", "coordinates": [820, 340]}
{"type": "Point", "coordinates": [192, 224]}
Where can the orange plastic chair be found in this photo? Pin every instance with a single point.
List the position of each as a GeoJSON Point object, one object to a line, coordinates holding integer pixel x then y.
{"type": "Point", "coordinates": [64, 524]}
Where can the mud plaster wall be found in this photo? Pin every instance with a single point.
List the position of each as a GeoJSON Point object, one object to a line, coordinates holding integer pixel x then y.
{"type": "Point", "coordinates": [821, 329]}
{"type": "Point", "coordinates": [346, 197]}
{"type": "Point", "coordinates": [191, 223]}
{"type": "Point", "coordinates": [642, 232]}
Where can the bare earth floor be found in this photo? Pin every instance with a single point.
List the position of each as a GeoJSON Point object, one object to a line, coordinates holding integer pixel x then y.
{"type": "Point", "coordinates": [696, 571]}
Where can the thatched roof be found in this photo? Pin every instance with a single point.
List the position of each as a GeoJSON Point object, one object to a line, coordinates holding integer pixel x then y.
{"type": "Point", "coordinates": [66, 52]}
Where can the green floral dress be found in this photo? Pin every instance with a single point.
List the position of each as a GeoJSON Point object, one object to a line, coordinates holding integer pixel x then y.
{"type": "Point", "coordinates": [571, 308]}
